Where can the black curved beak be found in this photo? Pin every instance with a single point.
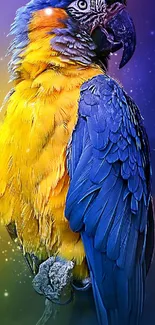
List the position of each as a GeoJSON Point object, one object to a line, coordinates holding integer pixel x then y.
{"type": "Point", "coordinates": [116, 32]}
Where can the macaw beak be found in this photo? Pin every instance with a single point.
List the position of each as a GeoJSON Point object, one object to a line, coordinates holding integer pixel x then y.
{"type": "Point", "coordinates": [116, 31]}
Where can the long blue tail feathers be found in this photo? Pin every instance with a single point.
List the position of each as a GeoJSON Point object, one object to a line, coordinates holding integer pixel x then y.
{"type": "Point", "coordinates": [116, 299]}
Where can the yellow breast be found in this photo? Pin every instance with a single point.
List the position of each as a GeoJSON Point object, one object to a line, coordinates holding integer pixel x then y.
{"type": "Point", "coordinates": [41, 116]}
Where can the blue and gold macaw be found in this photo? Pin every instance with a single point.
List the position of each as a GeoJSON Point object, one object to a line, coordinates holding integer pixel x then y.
{"type": "Point", "coordinates": [75, 177]}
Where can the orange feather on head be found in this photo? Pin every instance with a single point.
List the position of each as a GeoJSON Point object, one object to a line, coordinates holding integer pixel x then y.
{"type": "Point", "coordinates": [48, 18]}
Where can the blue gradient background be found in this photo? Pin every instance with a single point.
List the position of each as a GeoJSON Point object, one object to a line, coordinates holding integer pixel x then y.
{"type": "Point", "coordinates": [19, 305]}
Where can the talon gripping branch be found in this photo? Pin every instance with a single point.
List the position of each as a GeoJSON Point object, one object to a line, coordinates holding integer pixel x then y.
{"type": "Point", "coordinates": [74, 156]}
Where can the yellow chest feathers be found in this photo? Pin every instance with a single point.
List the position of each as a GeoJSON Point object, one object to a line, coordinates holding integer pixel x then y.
{"type": "Point", "coordinates": [41, 116]}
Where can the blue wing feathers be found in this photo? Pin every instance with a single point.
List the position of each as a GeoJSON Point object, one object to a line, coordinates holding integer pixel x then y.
{"type": "Point", "coordinates": [100, 170]}
{"type": "Point", "coordinates": [114, 238]}
{"type": "Point", "coordinates": [109, 195]}
{"type": "Point", "coordinates": [106, 221]}
{"type": "Point", "coordinates": [101, 154]}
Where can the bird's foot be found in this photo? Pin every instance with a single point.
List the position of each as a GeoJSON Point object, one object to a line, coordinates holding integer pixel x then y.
{"type": "Point", "coordinates": [54, 280]}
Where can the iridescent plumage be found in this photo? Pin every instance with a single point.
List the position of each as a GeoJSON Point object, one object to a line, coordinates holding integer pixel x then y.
{"type": "Point", "coordinates": [73, 144]}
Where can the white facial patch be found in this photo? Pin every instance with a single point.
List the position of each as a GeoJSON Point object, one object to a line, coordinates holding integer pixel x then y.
{"type": "Point", "coordinates": [97, 5]}
{"type": "Point", "coordinates": [82, 6]}
{"type": "Point", "coordinates": [88, 12]}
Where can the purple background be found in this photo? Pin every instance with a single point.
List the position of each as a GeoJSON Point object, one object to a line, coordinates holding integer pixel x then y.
{"type": "Point", "coordinates": [18, 302]}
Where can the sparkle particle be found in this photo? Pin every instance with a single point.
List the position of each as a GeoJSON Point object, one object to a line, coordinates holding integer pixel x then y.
{"type": "Point", "coordinates": [152, 32]}
{"type": "Point", "coordinates": [48, 11]}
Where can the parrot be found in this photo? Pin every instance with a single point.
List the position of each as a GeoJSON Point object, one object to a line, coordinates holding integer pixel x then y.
{"type": "Point", "coordinates": [75, 179]}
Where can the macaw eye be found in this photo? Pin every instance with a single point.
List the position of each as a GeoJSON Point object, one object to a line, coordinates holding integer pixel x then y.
{"type": "Point", "coordinates": [82, 4]}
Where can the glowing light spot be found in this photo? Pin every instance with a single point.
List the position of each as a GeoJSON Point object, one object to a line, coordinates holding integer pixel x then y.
{"type": "Point", "coordinates": [6, 294]}
{"type": "Point", "coordinates": [6, 260]}
{"type": "Point", "coordinates": [48, 11]}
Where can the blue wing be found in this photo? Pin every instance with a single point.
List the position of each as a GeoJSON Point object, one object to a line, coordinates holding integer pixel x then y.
{"type": "Point", "coordinates": [109, 198]}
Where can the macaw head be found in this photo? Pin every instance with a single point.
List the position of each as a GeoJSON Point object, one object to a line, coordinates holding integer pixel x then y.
{"type": "Point", "coordinates": [106, 22]}
{"type": "Point", "coordinates": [109, 25]}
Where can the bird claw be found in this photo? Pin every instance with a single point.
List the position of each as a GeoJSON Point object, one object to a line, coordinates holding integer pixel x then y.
{"type": "Point", "coordinates": [83, 285]}
{"type": "Point", "coordinates": [54, 280]}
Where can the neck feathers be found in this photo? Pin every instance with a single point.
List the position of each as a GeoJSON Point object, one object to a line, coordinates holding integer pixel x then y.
{"type": "Point", "coordinates": [51, 40]}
